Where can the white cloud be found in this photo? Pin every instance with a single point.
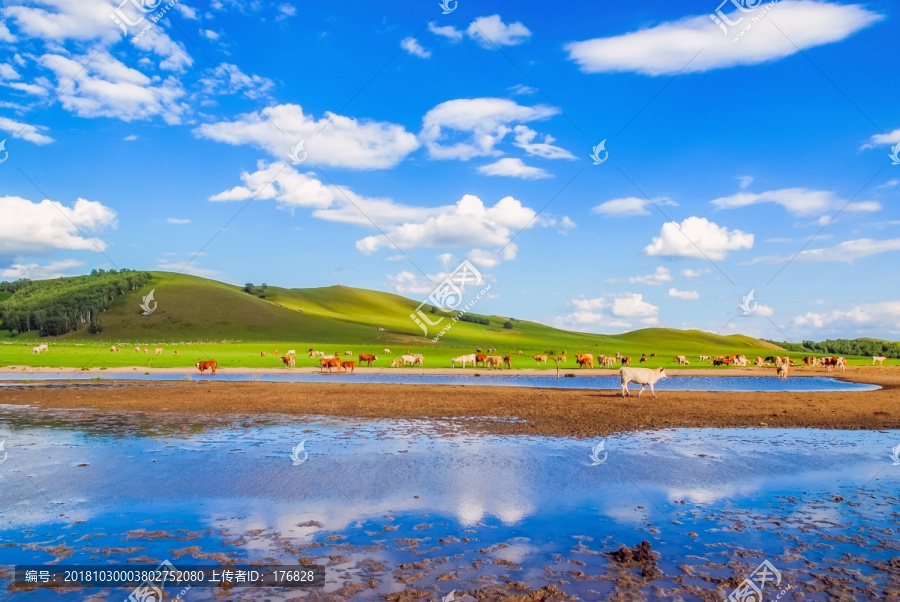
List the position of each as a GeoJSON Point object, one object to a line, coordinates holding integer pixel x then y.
{"type": "Point", "coordinates": [522, 89]}
{"type": "Point", "coordinates": [685, 295]}
{"type": "Point", "coordinates": [412, 47]}
{"type": "Point", "coordinates": [879, 318]}
{"type": "Point", "coordinates": [108, 88]}
{"type": "Point", "coordinates": [447, 259]}
{"type": "Point", "coordinates": [34, 271]}
{"type": "Point", "coordinates": [745, 181]}
{"type": "Point", "coordinates": [130, 138]}
{"type": "Point", "coordinates": [798, 201]}
{"type": "Point", "coordinates": [174, 56]}
{"type": "Point", "coordinates": [280, 182]}
{"type": "Point", "coordinates": [285, 11]}
{"type": "Point", "coordinates": [661, 275]}
{"type": "Point", "coordinates": [31, 133]}
{"type": "Point", "coordinates": [229, 79]}
{"type": "Point", "coordinates": [484, 121]}
{"type": "Point", "coordinates": [210, 34]}
{"type": "Point", "coordinates": [546, 150]}
{"type": "Point", "coordinates": [60, 20]}
{"type": "Point", "coordinates": [696, 44]}
{"type": "Point", "coordinates": [690, 274]}
{"type": "Point", "coordinates": [344, 142]}
{"type": "Point", "coordinates": [514, 168]}
{"type": "Point", "coordinates": [447, 31]}
{"type": "Point", "coordinates": [847, 251]}
{"type": "Point", "coordinates": [628, 206]}
{"type": "Point", "coordinates": [633, 306]}
{"type": "Point", "coordinates": [186, 11]}
{"type": "Point", "coordinates": [28, 228]}
{"type": "Point", "coordinates": [5, 35]}
{"type": "Point", "coordinates": [177, 220]}
{"type": "Point", "coordinates": [489, 259]}
{"type": "Point", "coordinates": [697, 237]}
{"type": "Point", "coordinates": [885, 139]}
{"type": "Point", "coordinates": [468, 223]}
{"type": "Point", "coordinates": [8, 72]}
{"type": "Point", "coordinates": [491, 31]}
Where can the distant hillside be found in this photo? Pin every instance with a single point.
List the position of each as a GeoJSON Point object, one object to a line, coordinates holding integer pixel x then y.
{"type": "Point", "coordinates": [862, 346]}
{"type": "Point", "coordinates": [193, 308]}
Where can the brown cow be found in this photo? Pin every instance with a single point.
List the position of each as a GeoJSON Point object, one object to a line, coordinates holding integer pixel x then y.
{"type": "Point", "coordinates": [480, 358]}
{"type": "Point", "coordinates": [626, 361]}
{"type": "Point", "coordinates": [329, 363]}
{"type": "Point", "coordinates": [540, 358]}
{"type": "Point", "coordinates": [494, 361]}
{"type": "Point", "coordinates": [561, 358]}
{"type": "Point", "coordinates": [289, 361]}
{"type": "Point", "coordinates": [210, 365]}
{"type": "Point", "coordinates": [367, 357]}
{"type": "Point", "coordinates": [507, 359]}
{"type": "Point", "coordinates": [586, 360]}
{"type": "Point", "coordinates": [351, 364]}
{"type": "Point", "coordinates": [262, 354]}
{"type": "Point", "coordinates": [176, 352]}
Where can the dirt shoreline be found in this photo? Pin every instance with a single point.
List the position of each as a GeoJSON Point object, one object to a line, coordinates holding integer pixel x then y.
{"type": "Point", "coordinates": [540, 411]}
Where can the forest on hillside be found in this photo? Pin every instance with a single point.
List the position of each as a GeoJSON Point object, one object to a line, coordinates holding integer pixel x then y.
{"type": "Point", "coordinates": [863, 347]}
{"type": "Point", "coordinates": [55, 307]}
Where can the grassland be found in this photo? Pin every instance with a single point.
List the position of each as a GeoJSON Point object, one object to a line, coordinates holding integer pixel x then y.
{"type": "Point", "coordinates": [205, 319]}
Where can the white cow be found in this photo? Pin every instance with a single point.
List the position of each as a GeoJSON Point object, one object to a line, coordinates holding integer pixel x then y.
{"type": "Point", "coordinates": [291, 352]}
{"type": "Point", "coordinates": [641, 376]}
{"type": "Point", "coordinates": [387, 351]}
{"type": "Point", "coordinates": [348, 353]}
{"type": "Point", "coordinates": [682, 360]}
{"type": "Point", "coordinates": [36, 350]}
{"type": "Point", "coordinates": [878, 358]}
{"type": "Point", "coordinates": [409, 359]}
{"type": "Point", "coordinates": [463, 359]}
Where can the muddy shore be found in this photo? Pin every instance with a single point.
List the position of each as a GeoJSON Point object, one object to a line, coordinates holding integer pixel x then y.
{"type": "Point", "coordinates": [539, 411]}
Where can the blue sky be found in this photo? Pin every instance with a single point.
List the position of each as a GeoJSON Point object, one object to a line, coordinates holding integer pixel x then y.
{"type": "Point", "coordinates": [753, 157]}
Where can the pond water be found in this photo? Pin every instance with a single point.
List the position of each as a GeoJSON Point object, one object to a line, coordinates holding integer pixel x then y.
{"type": "Point", "coordinates": [672, 383]}
{"type": "Point", "coordinates": [390, 506]}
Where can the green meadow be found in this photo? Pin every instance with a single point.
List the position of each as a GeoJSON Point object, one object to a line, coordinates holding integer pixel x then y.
{"type": "Point", "coordinates": [204, 320]}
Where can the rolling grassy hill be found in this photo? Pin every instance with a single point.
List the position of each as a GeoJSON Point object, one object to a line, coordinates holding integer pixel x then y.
{"type": "Point", "coordinates": [214, 315]}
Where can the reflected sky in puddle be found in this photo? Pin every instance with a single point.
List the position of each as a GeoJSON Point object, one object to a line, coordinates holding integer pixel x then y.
{"type": "Point", "coordinates": [578, 381]}
{"type": "Point", "coordinates": [390, 505]}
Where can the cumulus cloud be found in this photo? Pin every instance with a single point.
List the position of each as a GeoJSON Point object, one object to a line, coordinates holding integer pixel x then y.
{"type": "Point", "coordinates": [334, 140]}
{"type": "Point", "coordinates": [447, 31]}
{"type": "Point", "coordinates": [661, 275]}
{"type": "Point", "coordinates": [699, 238]}
{"type": "Point", "coordinates": [696, 44]}
{"type": "Point", "coordinates": [614, 314]}
{"type": "Point", "coordinates": [884, 139]}
{"type": "Point", "coordinates": [879, 317]}
{"type": "Point", "coordinates": [412, 47]}
{"type": "Point", "coordinates": [469, 223]}
{"type": "Point", "coordinates": [684, 295]}
{"type": "Point", "coordinates": [482, 122]}
{"type": "Point", "coordinates": [178, 221]}
{"type": "Point", "coordinates": [798, 201]}
{"type": "Point", "coordinates": [108, 88]}
{"type": "Point", "coordinates": [629, 206]}
{"type": "Point", "coordinates": [490, 259]}
{"type": "Point", "coordinates": [28, 228]}
{"type": "Point", "coordinates": [690, 274]}
{"type": "Point", "coordinates": [514, 168]}
{"type": "Point", "coordinates": [491, 31]}
{"type": "Point", "coordinates": [34, 271]}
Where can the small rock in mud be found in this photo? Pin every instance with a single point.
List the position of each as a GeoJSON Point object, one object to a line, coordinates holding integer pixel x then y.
{"type": "Point", "coordinates": [640, 553]}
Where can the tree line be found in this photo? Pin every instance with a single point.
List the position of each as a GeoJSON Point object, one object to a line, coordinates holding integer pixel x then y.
{"type": "Point", "coordinates": [55, 307]}
{"type": "Point", "coordinates": [863, 347]}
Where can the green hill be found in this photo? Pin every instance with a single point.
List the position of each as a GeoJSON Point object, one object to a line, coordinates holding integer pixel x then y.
{"type": "Point", "coordinates": [193, 309]}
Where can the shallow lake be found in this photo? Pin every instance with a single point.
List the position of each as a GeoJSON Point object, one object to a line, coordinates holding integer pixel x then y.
{"type": "Point", "coordinates": [672, 383]}
{"type": "Point", "coordinates": [388, 506]}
